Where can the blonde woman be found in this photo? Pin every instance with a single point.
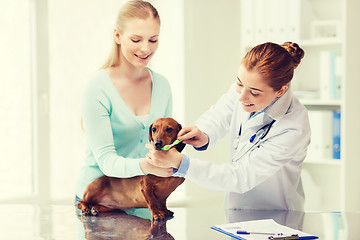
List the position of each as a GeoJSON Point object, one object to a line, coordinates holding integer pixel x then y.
{"type": "Point", "coordinates": [123, 98]}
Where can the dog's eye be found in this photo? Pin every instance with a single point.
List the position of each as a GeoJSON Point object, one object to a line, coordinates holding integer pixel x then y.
{"type": "Point", "coordinates": [153, 130]}
{"type": "Point", "coordinates": [169, 130]}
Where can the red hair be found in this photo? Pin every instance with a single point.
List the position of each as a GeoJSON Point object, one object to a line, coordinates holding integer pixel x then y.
{"type": "Point", "coordinates": [275, 63]}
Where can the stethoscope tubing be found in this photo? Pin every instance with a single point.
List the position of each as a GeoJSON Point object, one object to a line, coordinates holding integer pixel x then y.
{"type": "Point", "coordinates": [253, 145]}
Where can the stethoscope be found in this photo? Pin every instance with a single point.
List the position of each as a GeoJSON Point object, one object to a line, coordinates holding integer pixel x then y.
{"type": "Point", "coordinates": [262, 132]}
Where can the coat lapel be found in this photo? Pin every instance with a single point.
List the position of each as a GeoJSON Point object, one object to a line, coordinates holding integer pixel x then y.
{"type": "Point", "coordinates": [251, 125]}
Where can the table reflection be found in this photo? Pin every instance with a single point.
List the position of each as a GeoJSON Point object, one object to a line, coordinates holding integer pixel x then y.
{"type": "Point", "coordinates": [59, 222]}
{"type": "Point", "coordinates": [129, 224]}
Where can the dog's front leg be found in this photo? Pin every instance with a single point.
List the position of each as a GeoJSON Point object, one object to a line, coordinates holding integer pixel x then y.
{"type": "Point", "coordinates": [153, 205]}
{"type": "Point", "coordinates": [152, 202]}
{"type": "Point", "coordinates": [167, 212]}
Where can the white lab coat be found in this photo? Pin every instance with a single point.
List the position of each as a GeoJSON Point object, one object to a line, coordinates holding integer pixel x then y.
{"type": "Point", "coordinates": [268, 176]}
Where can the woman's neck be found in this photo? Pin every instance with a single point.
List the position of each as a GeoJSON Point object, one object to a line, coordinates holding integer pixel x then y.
{"type": "Point", "coordinates": [127, 71]}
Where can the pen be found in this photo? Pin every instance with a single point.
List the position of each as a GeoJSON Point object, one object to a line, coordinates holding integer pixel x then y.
{"type": "Point", "coordinates": [246, 232]}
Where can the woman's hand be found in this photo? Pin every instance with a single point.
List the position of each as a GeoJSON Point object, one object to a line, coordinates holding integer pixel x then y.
{"type": "Point", "coordinates": [193, 136]}
{"type": "Point", "coordinates": [148, 168]}
{"type": "Point", "coordinates": [163, 159]}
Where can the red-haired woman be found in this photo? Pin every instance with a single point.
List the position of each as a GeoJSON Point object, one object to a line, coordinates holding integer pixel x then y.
{"type": "Point", "coordinates": [269, 135]}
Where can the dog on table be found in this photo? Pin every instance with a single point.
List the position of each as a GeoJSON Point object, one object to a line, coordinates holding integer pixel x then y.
{"type": "Point", "coordinates": [108, 193]}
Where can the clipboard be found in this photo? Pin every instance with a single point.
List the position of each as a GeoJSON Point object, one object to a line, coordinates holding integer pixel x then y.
{"type": "Point", "coordinates": [260, 230]}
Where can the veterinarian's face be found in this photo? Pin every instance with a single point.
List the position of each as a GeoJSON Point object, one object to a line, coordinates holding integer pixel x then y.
{"type": "Point", "coordinates": [254, 93]}
{"type": "Point", "coordinates": [139, 40]}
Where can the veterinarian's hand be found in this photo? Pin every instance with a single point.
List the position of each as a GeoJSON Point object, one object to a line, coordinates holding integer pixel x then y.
{"type": "Point", "coordinates": [194, 136]}
{"type": "Point", "coordinates": [148, 168]}
{"type": "Point", "coordinates": [164, 159]}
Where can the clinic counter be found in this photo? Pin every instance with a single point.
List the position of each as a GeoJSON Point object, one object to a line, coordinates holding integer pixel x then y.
{"type": "Point", "coordinates": [61, 222]}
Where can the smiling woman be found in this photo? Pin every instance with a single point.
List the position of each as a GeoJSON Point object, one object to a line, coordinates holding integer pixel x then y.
{"type": "Point", "coordinates": [123, 98]}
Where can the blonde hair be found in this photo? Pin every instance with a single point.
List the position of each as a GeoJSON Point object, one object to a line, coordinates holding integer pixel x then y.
{"type": "Point", "coordinates": [131, 9]}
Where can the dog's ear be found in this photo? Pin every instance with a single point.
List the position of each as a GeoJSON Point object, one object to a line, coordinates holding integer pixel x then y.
{"type": "Point", "coordinates": [179, 127]}
{"type": "Point", "coordinates": [179, 147]}
{"type": "Point", "coordinates": [150, 134]}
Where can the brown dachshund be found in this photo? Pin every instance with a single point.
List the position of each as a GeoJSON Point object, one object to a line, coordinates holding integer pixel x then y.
{"type": "Point", "coordinates": [109, 193]}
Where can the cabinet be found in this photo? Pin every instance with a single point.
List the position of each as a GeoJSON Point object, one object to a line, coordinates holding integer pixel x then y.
{"type": "Point", "coordinates": [327, 81]}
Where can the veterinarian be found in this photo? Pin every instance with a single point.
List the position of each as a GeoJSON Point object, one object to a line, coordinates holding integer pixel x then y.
{"type": "Point", "coordinates": [122, 99]}
{"type": "Point", "coordinates": [269, 135]}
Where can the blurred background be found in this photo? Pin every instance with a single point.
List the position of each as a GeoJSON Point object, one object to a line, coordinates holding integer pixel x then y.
{"type": "Point", "coordinates": [50, 48]}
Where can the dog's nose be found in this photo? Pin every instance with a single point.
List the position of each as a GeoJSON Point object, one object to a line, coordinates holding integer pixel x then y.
{"type": "Point", "coordinates": [158, 145]}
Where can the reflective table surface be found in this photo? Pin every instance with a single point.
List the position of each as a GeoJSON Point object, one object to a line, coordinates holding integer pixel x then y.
{"type": "Point", "coordinates": [61, 222]}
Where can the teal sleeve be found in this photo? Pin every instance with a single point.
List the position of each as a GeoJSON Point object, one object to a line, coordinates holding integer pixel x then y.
{"type": "Point", "coordinates": [96, 108]}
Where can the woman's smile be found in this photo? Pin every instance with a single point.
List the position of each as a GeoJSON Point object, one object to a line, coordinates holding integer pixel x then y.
{"type": "Point", "coordinates": [143, 57]}
{"type": "Point", "coordinates": [247, 104]}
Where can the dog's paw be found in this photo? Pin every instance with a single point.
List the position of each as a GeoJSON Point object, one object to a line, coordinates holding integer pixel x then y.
{"type": "Point", "coordinates": [94, 211]}
{"type": "Point", "coordinates": [169, 214]}
{"type": "Point", "coordinates": [86, 212]}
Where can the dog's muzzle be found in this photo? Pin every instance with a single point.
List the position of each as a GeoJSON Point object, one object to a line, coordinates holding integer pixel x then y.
{"type": "Point", "coordinates": [159, 144]}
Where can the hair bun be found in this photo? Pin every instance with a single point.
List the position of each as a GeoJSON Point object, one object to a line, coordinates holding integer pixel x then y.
{"type": "Point", "coordinates": [296, 52]}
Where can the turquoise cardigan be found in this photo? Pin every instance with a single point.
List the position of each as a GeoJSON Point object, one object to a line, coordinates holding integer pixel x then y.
{"type": "Point", "coordinates": [115, 137]}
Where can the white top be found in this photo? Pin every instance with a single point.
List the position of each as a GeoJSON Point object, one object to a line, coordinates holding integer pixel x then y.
{"type": "Point", "coordinates": [269, 175]}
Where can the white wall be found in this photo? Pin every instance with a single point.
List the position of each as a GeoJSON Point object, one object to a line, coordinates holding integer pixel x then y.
{"type": "Point", "coordinates": [212, 57]}
{"type": "Point", "coordinates": [15, 99]}
{"type": "Point", "coordinates": [169, 58]}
